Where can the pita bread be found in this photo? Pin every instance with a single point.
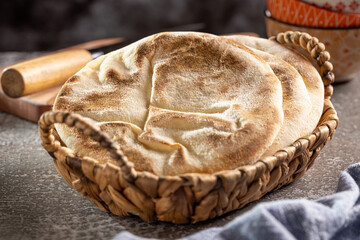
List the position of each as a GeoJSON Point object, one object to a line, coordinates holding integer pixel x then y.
{"type": "Point", "coordinates": [177, 103]}
{"type": "Point", "coordinates": [303, 90]}
{"type": "Point", "coordinates": [296, 103]}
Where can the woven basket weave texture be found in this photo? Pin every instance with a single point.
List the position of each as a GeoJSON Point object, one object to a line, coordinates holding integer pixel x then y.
{"type": "Point", "coordinates": [188, 198]}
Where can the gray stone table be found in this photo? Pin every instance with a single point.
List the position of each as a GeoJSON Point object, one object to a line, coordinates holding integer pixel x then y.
{"type": "Point", "coordinates": [36, 203]}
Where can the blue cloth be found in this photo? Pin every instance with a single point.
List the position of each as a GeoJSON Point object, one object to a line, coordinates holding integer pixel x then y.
{"type": "Point", "coordinates": [332, 217]}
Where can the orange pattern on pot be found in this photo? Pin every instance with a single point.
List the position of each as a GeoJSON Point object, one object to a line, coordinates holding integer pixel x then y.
{"type": "Point", "coordinates": [304, 14]}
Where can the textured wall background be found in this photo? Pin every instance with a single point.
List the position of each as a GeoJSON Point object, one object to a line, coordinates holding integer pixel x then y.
{"type": "Point", "coordinates": [28, 25]}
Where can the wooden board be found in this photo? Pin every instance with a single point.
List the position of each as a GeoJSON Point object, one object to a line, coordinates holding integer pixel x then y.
{"type": "Point", "coordinates": [30, 107]}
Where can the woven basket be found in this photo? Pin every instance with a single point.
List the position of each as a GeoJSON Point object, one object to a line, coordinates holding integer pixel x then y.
{"type": "Point", "coordinates": [188, 198]}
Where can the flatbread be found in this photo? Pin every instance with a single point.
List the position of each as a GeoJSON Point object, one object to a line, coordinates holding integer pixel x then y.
{"type": "Point", "coordinates": [303, 89]}
{"type": "Point", "coordinates": [177, 102]}
{"type": "Point", "coordinates": [296, 103]}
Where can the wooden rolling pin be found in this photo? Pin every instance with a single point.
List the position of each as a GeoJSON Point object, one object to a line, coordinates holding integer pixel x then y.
{"type": "Point", "coordinates": [36, 75]}
{"type": "Point", "coordinates": [42, 73]}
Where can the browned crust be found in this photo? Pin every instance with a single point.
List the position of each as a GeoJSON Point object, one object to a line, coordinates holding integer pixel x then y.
{"type": "Point", "coordinates": [185, 76]}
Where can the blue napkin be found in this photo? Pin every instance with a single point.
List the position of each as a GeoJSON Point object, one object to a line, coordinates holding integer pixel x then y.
{"type": "Point", "coordinates": [332, 217]}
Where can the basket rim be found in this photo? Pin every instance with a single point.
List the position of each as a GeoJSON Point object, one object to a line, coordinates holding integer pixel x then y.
{"type": "Point", "coordinates": [270, 161]}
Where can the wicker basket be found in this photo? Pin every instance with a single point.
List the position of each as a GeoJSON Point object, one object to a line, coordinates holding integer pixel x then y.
{"type": "Point", "coordinates": [188, 198]}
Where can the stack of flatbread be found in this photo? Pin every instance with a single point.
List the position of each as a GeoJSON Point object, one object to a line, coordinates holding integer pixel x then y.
{"type": "Point", "coordinates": [185, 102]}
